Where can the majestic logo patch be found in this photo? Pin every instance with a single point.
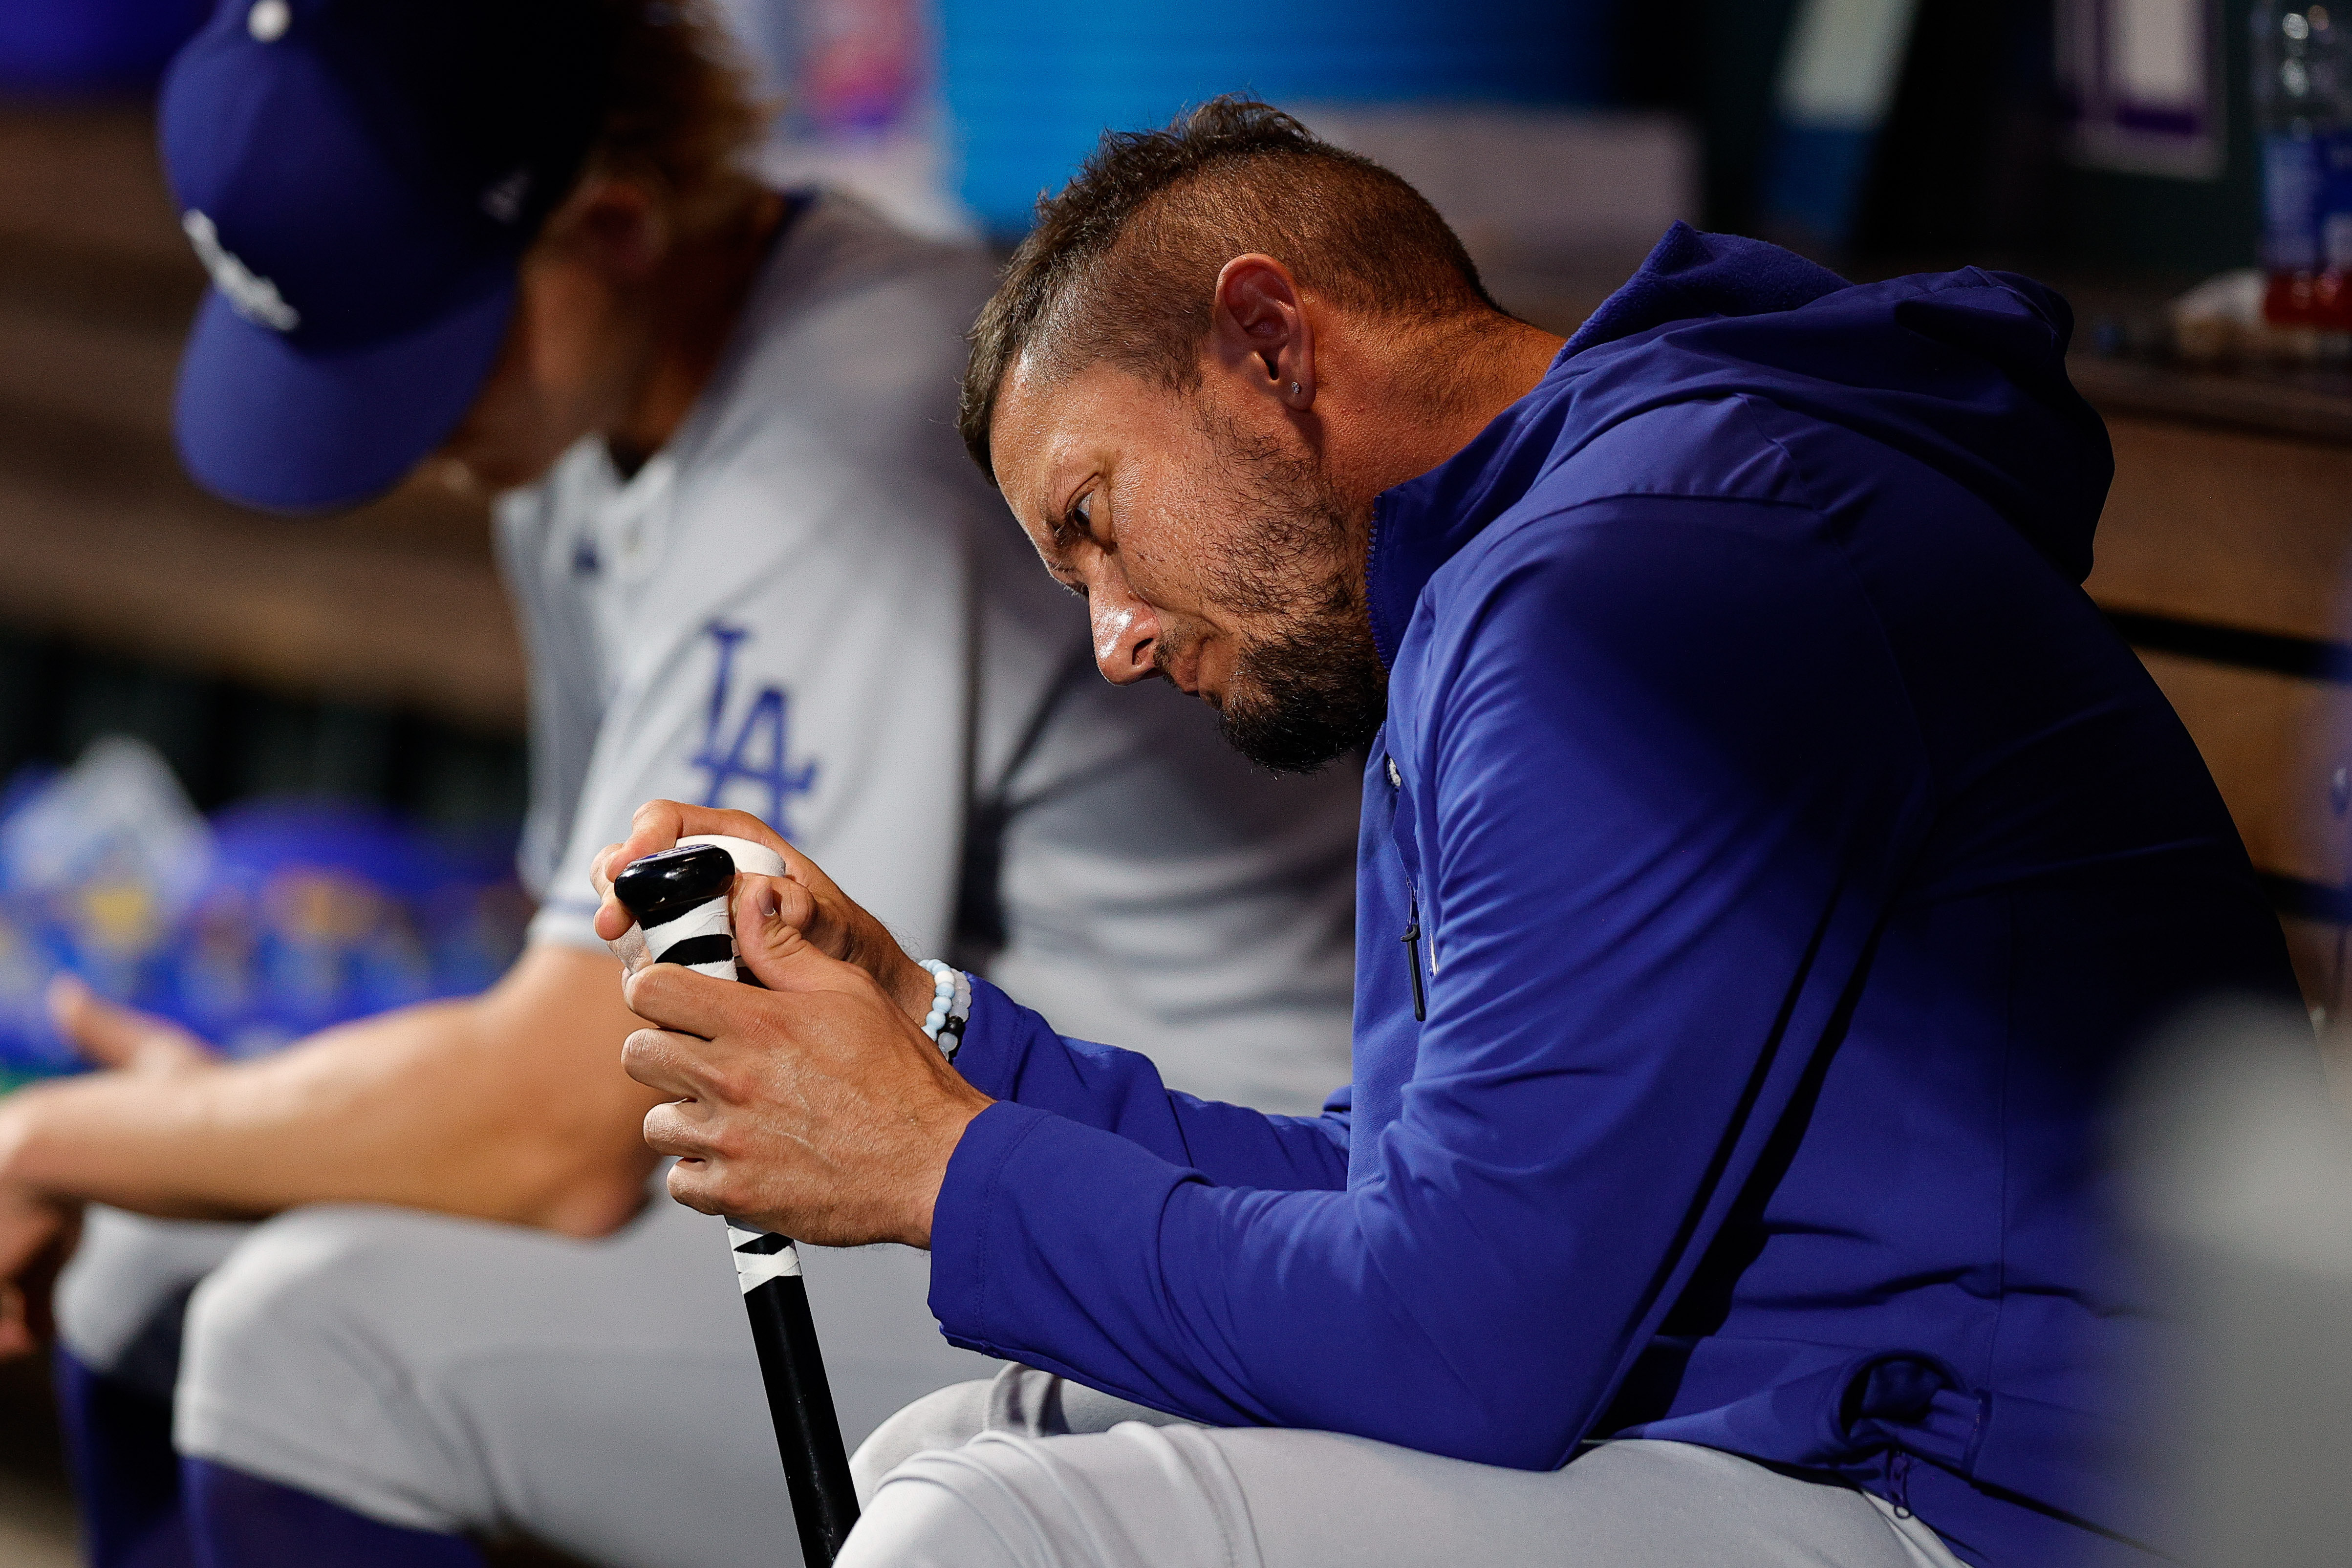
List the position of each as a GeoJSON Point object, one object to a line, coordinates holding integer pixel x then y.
{"type": "Point", "coordinates": [757, 750]}
{"type": "Point", "coordinates": [252, 296]}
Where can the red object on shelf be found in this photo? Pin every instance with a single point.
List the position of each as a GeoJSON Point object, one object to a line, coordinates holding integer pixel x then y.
{"type": "Point", "coordinates": [2321, 299]}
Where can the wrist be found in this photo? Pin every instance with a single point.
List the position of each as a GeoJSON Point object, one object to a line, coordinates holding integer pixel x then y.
{"type": "Point", "coordinates": [918, 1232]}
{"type": "Point", "coordinates": [907, 984]}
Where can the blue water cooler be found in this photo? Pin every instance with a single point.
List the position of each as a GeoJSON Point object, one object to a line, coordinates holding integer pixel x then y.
{"type": "Point", "coordinates": [1032, 84]}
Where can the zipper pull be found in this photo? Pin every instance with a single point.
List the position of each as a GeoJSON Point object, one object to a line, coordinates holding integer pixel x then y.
{"type": "Point", "coordinates": [1412, 927]}
{"type": "Point", "coordinates": [1412, 956]}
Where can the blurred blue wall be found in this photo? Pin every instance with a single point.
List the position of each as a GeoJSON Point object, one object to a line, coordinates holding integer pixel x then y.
{"type": "Point", "coordinates": [1032, 84]}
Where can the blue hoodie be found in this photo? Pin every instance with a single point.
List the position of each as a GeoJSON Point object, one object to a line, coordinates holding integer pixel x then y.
{"type": "Point", "coordinates": [1792, 856]}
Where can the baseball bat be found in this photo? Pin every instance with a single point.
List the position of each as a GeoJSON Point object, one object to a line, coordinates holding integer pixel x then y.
{"type": "Point", "coordinates": [680, 900]}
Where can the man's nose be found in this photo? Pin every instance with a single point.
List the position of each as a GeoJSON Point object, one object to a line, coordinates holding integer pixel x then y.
{"type": "Point", "coordinates": [1125, 631]}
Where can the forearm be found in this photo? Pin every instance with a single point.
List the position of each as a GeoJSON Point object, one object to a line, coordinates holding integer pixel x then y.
{"type": "Point", "coordinates": [1498, 1303]}
{"type": "Point", "coordinates": [510, 1106]}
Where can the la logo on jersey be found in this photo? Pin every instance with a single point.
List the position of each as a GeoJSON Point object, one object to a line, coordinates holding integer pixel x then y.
{"type": "Point", "coordinates": [254, 297]}
{"type": "Point", "coordinates": [754, 748]}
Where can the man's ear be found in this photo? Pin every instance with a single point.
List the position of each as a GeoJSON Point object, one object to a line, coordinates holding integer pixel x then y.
{"type": "Point", "coordinates": [1260, 331]}
{"type": "Point", "coordinates": [616, 226]}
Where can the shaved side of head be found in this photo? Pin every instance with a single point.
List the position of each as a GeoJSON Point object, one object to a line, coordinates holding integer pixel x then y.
{"type": "Point", "coordinates": [1122, 265]}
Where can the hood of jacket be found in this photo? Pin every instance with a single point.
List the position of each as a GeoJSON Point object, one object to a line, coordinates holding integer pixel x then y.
{"type": "Point", "coordinates": [1965, 372]}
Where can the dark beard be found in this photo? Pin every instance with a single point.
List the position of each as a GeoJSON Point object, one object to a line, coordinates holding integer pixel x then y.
{"type": "Point", "coordinates": [1315, 690]}
{"type": "Point", "coordinates": [1313, 695]}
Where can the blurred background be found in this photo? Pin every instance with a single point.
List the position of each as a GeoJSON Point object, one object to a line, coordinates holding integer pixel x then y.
{"type": "Point", "coordinates": [263, 773]}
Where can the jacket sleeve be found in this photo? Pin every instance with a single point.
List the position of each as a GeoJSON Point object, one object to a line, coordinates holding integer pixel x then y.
{"type": "Point", "coordinates": [1665, 771]}
{"type": "Point", "coordinates": [1014, 1054]}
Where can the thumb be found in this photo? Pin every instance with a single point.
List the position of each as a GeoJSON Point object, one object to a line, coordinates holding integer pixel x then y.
{"type": "Point", "coordinates": [770, 914]}
{"type": "Point", "coordinates": [119, 1037]}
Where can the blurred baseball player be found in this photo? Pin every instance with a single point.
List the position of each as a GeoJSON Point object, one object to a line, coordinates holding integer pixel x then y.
{"type": "Point", "coordinates": [754, 571]}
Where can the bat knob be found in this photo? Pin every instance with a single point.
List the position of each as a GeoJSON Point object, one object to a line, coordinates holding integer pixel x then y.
{"type": "Point", "coordinates": [668, 883]}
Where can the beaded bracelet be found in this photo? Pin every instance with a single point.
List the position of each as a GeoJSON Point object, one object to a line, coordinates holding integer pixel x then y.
{"type": "Point", "coordinates": [950, 1005]}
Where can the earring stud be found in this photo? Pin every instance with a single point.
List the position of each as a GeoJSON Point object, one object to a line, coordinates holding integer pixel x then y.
{"type": "Point", "coordinates": [1294, 389]}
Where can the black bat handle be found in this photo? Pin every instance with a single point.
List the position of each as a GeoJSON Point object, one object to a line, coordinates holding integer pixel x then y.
{"type": "Point", "coordinates": [800, 1400]}
{"type": "Point", "coordinates": [678, 897]}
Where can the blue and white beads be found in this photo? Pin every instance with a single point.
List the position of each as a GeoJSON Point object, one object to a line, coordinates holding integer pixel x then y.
{"type": "Point", "coordinates": [950, 1005]}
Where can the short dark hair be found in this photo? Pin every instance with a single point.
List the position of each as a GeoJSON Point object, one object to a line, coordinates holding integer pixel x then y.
{"type": "Point", "coordinates": [1139, 238]}
{"type": "Point", "coordinates": [679, 110]}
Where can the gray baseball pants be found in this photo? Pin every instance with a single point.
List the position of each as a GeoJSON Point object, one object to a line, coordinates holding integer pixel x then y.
{"type": "Point", "coordinates": [602, 1397]}
{"type": "Point", "coordinates": [447, 1374]}
{"type": "Point", "coordinates": [1029, 1471]}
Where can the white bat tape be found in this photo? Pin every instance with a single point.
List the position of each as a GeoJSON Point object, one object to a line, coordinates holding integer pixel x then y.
{"type": "Point", "coordinates": [757, 859]}
{"type": "Point", "coordinates": [706, 919]}
{"type": "Point", "coordinates": [753, 1269]}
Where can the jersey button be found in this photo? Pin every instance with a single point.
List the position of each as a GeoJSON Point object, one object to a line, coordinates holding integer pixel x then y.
{"type": "Point", "coordinates": [1396, 781]}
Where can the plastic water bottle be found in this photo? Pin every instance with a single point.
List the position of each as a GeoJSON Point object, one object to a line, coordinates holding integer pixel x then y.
{"type": "Point", "coordinates": [2303, 106]}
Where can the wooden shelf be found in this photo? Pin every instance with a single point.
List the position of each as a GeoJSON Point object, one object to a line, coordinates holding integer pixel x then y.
{"type": "Point", "coordinates": [2311, 405]}
{"type": "Point", "coordinates": [2231, 508]}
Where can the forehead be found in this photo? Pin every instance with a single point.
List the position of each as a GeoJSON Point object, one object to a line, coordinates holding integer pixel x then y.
{"type": "Point", "coordinates": [1049, 432]}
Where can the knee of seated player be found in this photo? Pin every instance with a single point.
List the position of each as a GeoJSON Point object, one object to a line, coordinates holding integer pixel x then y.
{"type": "Point", "coordinates": [946, 1418]}
{"type": "Point", "coordinates": [119, 1302]}
{"type": "Point", "coordinates": [950, 1508]}
{"type": "Point", "coordinates": [298, 1368]}
{"type": "Point", "coordinates": [1136, 1494]}
{"type": "Point", "coordinates": [921, 1527]}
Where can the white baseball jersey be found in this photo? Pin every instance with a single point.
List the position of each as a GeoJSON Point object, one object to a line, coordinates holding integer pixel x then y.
{"type": "Point", "coordinates": [809, 606]}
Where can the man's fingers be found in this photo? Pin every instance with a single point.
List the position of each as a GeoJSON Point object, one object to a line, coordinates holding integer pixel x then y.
{"type": "Point", "coordinates": [103, 1035]}
{"type": "Point", "coordinates": [680, 1128]}
{"type": "Point", "coordinates": [669, 1063]}
{"type": "Point", "coordinates": [120, 1036]}
{"type": "Point", "coordinates": [36, 1237]}
{"type": "Point", "coordinates": [630, 948]}
{"type": "Point", "coordinates": [16, 1337]}
{"type": "Point", "coordinates": [669, 996]}
{"type": "Point", "coordinates": [691, 1183]}
{"type": "Point", "coordinates": [38, 1282]}
{"type": "Point", "coordinates": [613, 917]}
{"type": "Point", "coordinates": [773, 905]}
{"type": "Point", "coordinates": [659, 825]}
{"type": "Point", "coordinates": [773, 917]}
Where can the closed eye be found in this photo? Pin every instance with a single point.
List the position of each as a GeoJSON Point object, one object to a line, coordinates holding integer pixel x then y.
{"type": "Point", "coordinates": [1075, 525]}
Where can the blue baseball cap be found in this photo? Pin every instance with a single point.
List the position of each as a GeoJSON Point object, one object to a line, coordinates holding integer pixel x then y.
{"type": "Point", "coordinates": [360, 178]}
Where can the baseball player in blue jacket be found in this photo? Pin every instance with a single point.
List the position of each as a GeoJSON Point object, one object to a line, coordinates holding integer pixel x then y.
{"type": "Point", "coordinates": [1768, 859]}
